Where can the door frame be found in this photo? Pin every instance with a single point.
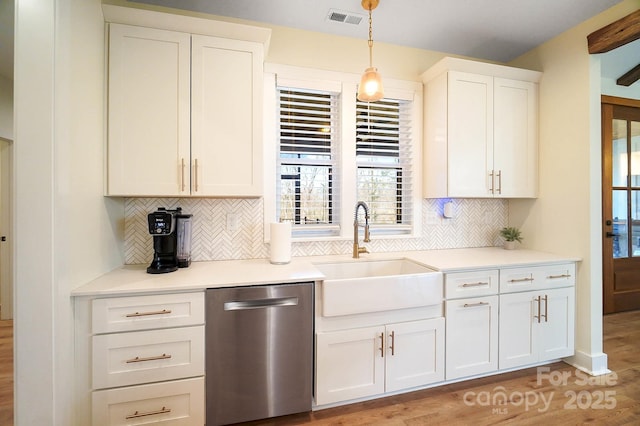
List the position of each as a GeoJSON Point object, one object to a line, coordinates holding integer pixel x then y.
{"type": "Point", "coordinates": [6, 228]}
{"type": "Point", "coordinates": [608, 297]}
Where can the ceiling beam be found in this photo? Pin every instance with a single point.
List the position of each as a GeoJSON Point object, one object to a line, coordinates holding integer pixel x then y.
{"type": "Point", "coordinates": [616, 34]}
{"type": "Point", "coordinates": [630, 77]}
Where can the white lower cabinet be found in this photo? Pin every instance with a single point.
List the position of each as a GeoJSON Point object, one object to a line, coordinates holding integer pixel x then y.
{"type": "Point", "coordinates": [472, 336]}
{"type": "Point", "coordinates": [362, 362]}
{"type": "Point", "coordinates": [175, 403]}
{"type": "Point", "coordinates": [147, 359]}
{"type": "Point", "coordinates": [536, 326]}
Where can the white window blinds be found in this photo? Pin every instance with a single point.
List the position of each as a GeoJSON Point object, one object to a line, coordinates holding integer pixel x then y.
{"type": "Point", "coordinates": [383, 157]}
{"type": "Point", "coordinates": [307, 160]}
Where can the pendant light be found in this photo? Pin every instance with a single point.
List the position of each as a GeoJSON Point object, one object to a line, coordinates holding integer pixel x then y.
{"type": "Point", "coordinates": [370, 88]}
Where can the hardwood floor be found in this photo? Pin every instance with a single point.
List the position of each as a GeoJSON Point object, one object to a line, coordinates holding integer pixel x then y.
{"type": "Point", "coordinates": [560, 395]}
{"type": "Point", "coordinates": [6, 372]}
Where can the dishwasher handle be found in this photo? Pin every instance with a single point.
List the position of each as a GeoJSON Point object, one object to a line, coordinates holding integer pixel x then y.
{"type": "Point", "coordinates": [241, 305]}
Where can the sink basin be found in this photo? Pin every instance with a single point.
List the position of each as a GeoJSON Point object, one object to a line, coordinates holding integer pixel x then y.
{"type": "Point", "coordinates": [362, 286]}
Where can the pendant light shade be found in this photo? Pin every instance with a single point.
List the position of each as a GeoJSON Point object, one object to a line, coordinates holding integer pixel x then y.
{"type": "Point", "coordinates": [370, 88]}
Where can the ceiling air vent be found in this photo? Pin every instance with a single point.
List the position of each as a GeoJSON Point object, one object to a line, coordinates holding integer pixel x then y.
{"type": "Point", "coordinates": [345, 17]}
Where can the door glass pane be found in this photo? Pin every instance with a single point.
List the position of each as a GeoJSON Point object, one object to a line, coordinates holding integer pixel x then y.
{"type": "Point", "coordinates": [635, 223]}
{"type": "Point", "coordinates": [620, 163]}
{"type": "Point", "coordinates": [635, 153]}
{"type": "Point", "coordinates": [620, 241]}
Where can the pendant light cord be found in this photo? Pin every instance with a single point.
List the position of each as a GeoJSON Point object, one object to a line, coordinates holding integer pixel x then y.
{"type": "Point", "coordinates": [370, 42]}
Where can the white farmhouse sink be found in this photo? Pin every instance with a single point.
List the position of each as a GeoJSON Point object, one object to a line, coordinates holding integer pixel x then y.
{"type": "Point", "coordinates": [361, 286]}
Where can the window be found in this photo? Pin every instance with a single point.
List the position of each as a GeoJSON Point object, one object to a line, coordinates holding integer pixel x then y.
{"type": "Point", "coordinates": [383, 158]}
{"type": "Point", "coordinates": [331, 151]}
{"type": "Point", "coordinates": [308, 145]}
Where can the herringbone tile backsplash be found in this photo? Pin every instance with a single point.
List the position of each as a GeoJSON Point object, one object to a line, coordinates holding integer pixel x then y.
{"type": "Point", "coordinates": [475, 224]}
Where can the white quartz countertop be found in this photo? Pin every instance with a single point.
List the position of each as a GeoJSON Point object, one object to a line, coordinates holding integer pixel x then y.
{"type": "Point", "coordinates": [132, 279]}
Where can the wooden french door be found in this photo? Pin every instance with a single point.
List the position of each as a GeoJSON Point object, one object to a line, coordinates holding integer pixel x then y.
{"type": "Point", "coordinates": [621, 204]}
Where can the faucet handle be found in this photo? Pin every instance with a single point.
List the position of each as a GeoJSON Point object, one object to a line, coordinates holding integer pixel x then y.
{"type": "Point", "coordinates": [362, 250]}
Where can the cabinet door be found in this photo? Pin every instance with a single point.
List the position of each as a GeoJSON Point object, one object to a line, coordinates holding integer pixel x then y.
{"type": "Point", "coordinates": [226, 114]}
{"type": "Point", "coordinates": [349, 364]}
{"type": "Point", "coordinates": [472, 336]}
{"type": "Point", "coordinates": [517, 335]}
{"type": "Point", "coordinates": [556, 331]}
{"type": "Point", "coordinates": [148, 123]}
{"type": "Point", "coordinates": [415, 354]}
{"type": "Point", "coordinates": [515, 138]}
{"type": "Point", "coordinates": [470, 129]}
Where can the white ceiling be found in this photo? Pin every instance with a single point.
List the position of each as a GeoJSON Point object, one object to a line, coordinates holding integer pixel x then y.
{"type": "Point", "coordinates": [496, 30]}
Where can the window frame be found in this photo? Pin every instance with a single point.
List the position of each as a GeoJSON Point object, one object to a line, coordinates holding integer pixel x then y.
{"type": "Point", "coordinates": [346, 84]}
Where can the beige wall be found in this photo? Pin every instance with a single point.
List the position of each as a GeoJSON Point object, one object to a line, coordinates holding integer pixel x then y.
{"type": "Point", "coordinates": [566, 217]}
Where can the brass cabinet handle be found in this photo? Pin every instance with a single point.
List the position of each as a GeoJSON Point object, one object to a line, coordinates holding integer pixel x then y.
{"type": "Point", "coordinates": [478, 284]}
{"type": "Point", "coordinates": [472, 305]}
{"type": "Point", "coordinates": [538, 299]}
{"type": "Point", "coordinates": [519, 280]}
{"type": "Point", "coordinates": [196, 177]}
{"type": "Point", "coordinates": [546, 308]}
{"type": "Point", "coordinates": [393, 343]}
{"type": "Point", "coordinates": [499, 182]}
{"type": "Point", "coordinates": [382, 345]}
{"type": "Point", "coordinates": [144, 314]}
{"type": "Point", "coordinates": [182, 174]}
{"type": "Point", "coordinates": [149, 358]}
{"type": "Point", "coordinates": [492, 183]}
{"type": "Point", "coordinates": [553, 277]}
{"type": "Point", "coordinates": [137, 414]}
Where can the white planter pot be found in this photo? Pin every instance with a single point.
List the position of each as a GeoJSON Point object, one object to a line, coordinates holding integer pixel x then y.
{"type": "Point", "coordinates": [509, 245]}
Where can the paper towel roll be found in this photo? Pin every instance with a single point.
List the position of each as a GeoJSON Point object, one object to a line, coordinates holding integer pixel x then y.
{"type": "Point", "coordinates": [280, 243]}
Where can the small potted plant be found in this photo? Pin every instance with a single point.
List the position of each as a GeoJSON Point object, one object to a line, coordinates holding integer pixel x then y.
{"type": "Point", "coordinates": [511, 235]}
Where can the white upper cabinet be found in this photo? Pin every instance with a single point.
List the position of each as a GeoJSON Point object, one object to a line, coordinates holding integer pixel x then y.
{"type": "Point", "coordinates": [226, 114]}
{"type": "Point", "coordinates": [149, 90]}
{"type": "Point", "coordinates": [185, 114]}
{"type": "Point", "coordinates": [480, 130]}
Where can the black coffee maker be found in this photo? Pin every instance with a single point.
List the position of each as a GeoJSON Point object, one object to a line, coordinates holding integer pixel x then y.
{"type": "Point", "coordinates": [171, 230]}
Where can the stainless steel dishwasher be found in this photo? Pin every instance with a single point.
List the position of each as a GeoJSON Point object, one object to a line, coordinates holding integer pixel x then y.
{"type": "Point", "coordinates": [259, 349]}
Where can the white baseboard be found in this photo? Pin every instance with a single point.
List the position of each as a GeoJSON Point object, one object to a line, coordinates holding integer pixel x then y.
{"type": "Point", "coordinates": [593, 364]}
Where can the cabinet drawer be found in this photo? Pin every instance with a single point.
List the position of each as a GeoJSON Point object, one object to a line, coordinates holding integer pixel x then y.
{"type": "Point", "coordinates": [147, 312]}
{"type": "Point", "coordinates": [517, 279]}
{"type": "Point", "coordinates": [537, 277]}
{"type": "Point", "coordinates": [551, 276]}
{"type": "Point", "coordinates": [177, 403]}
{"type": "Point", "coordinates": [471, 284]}
{"type": "Point", "coordinates": [147, 356]}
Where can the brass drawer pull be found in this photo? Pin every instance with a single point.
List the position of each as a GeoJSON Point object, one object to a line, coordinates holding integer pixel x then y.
{"type": "Point", "coordinates": [553, 277]}
{"type": "Point", "coordinates": [472, 305]}
{"type": "Point", "coordinates": [382, 345]}
{"type": "Point", "coordinates": [519, 280]}
{"type": "Point", "coordinates": [143, 314]}
{"type": "Point", "coordinates": [478, 284]}
{"type": "Point", "coordinates": [149, 358]}
{"type": "Point", "coordinates": [137, 414]}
